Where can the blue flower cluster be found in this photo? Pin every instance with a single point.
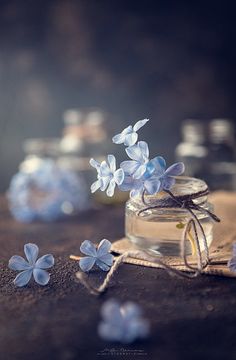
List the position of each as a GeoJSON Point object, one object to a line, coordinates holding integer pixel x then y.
{"type": "Point", "coordinates": [47, 193]}
{"type": "Point", "coordinates": [138, 175]}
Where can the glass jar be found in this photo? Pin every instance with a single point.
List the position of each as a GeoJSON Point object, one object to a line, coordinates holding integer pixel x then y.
{"type": "Point", "coordinates": [160, 230]}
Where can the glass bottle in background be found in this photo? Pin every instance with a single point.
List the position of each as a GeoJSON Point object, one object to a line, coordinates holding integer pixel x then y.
{"type": "Point", "coordinates": [84, 135]}
{"type": "Point", "coordinates": [221, 140]}
{"type": "Point", "coordinates": [222, 166]}
{"type": "Point", "coordinates": [193, 150]}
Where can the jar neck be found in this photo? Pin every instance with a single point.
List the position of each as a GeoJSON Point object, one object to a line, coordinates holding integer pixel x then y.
{"type": "Point", "coordinates": [185, 189]}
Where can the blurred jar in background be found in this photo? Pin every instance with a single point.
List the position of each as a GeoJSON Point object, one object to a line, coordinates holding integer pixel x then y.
{"type": "Point", "coordinates": [221, 140]}
{"type": "Point", "coordinates": [208, 151]}
{"type": "Point", "coordinates": [43, 189]}
{"type": "Point", "coordinates": [193, 150]}
{"type": "Point", "coordinates": [86, 136]}
{"type": "Point", "coordinates": [222, 166]}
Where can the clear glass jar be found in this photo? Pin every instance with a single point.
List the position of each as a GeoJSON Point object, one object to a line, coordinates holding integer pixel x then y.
{"type": "Point", "coordinates": [160, 230]}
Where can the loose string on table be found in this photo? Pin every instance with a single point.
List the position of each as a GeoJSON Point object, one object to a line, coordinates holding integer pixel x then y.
{"type": "Point", "coordinates": [184, 202]}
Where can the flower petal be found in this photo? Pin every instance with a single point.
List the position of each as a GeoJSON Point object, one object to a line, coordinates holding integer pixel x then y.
{"type": "Point", "coordinates": [41, 277]}
{"type": "Point", "coordinates": [88, 248]}
{"type": "Point", "coordinates": [127, 184]}
{"type": "Point", "coordinates": [104, 182]}
{"type": "Point", "coordinates": [129, 166]}
{"type": "Point", "coordinates": [112, 162]}
{"type": "Point", "coordinates": [104, 169]}
{"type": "Point", "coordinates": [167, 182]}
{"type": "Point", "coordinates": [96, 185]}
{"type": "Point", "coordinates": [107, 259]}
{"type": "Point", "coordinates": [144, 149]}
{"type": "Point", "coordinates": [232, 264]}
{"type": "Point", "coordinates": [110, 332]}
{"type": "Point", "coordinates": [102, 265]}
{"type": "Point", "coordinates": [18, 263]}
{"type": "Point", "coordinates": [130, 139]}
{"type": "Point", "coordinates": [23, 278]}
{"type": "Point", "coordinates": [111, 188]}
{"type": "Point", "coordinates": [86, 263]}
{"type": "Point", "coordinates": [95, 164]}
{"type": "Point", "coordinates": [45, 262]}
{"type": "Point", "coordinates": [152, 185]}
{"type": "Point", "coordinates": [131, 310]}
{"type": "Point", "coordinates": [103, 247]}
{"type": "Point", "coordinates": [175, 169]}
{"type": "Point", "coordinates": [119, 176]}
{"type": "Point", "coordinates": [119, 138]}
{"type": "Point", "coordinates": [140, 124]}
{"type": "Point", "coordinates": [139, 172]}
{"type": "Point", "coordinates": [159, 165]}
{"type": "Point", "coordinates": [31, 252]}
{"type": "Point", "coordinates": [135, 153]}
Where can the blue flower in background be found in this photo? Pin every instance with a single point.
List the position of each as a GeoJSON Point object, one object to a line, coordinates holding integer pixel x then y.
{"type": "Point", "coordinates": [96, 255]}
{"type": "Point", "coordinates": [157, 168]}
{"type": "Point", "coordinates": [129, 135]}
{"type": "Point", "coordinates": [46, 193]}
{"type": "Point", "coordinates": [32, 266]}
{"type": "Point", "coordinates": [232, 261]}
{"type": "Point", "coordinates": [140, 157]}
{"type": "Point", "coordinates": [107, 175]}
{"type": "Point", "coordinates": [122, 323]}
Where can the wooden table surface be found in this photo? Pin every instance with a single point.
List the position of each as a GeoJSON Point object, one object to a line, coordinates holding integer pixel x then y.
{"type": "Point", "coordinates": [190, 319]}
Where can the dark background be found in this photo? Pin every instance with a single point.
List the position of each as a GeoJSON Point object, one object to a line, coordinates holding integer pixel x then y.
{"type": "Point", "coordinates": [160, 59]}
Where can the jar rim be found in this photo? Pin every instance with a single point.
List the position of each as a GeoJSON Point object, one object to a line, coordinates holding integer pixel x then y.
{"type": "Point", "coordinates": [184, 185]}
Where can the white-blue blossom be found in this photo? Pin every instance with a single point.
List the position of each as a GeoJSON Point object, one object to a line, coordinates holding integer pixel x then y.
{"type": "Point", "coordinates": [122, 323]}
{"type": "Point", "coordinates": [107, 175]}
{"type": "Point", "coordinates": [99, 255]}
{"type": "Point", "coordinates": [31, 267]}
{"type": "Point", "coordinates": [129, 135]}
{"type": "Point", "coordinates": [232, 261]}
{"type": "Point", "coordinates": [139, 154]}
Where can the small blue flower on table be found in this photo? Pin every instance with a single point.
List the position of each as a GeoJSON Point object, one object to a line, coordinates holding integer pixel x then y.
{"type": "Point", "coordinates": [122, 323]}
{"type": "Point", "coordinates": [32, 267]}
{"type": "Point", "coordinates": [96, 255]}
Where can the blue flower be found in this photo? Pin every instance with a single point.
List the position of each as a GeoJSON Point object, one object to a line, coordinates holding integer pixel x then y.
{"type": "Point", "coordinates": [122, 323]}
{"type": "Point", "coordinates": [232, 261]}
{"type": "Point", "coordinates": [107, 175]}
{"type": "Point", "coordinates": [150, 185]}
{"type": "Point", "coordinates": [96, 255]}
{"type": "Point", "coordinates": [157, 168]}
{"type": "Point", "coordinates": [140, 157]}
{"type": "Point", "coordinates": [46, 193]}
{"type": "Point", "coordinates": [129, 135]}
{"type": "Point", "coordinates": [32, 267]}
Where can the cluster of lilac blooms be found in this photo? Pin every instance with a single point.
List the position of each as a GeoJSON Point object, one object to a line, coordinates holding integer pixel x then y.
{"type": "Point", "coordinates": [139, 175]}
